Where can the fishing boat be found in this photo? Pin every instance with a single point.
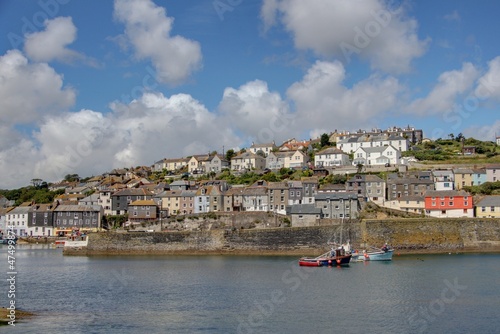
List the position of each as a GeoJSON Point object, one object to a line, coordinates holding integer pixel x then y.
{"type": "Point", "coordinates": [336, 257]}
{"type": "Point", "coordinates": [375, 254]}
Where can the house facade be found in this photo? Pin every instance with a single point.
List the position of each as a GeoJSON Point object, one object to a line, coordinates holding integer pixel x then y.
{"type": "Point", "coordinates": [407, 186]}
{"type": "Point", "coordinates": [338, 205]}
{"type": "Point", "coordinates": [41, 223]}
{"type": "Point", "coordinates": [122, 198]}
{"type": "Point", "coordinates": [488, 207]}
{"type": "Point", "coordinates": [77, 217]}
{"type": "Point", "coordinates": [18, 218]}
{"type": "Point", "coordinates": [247, 161]}
{"type": "Point", "coordinates": [448, 204]}
{"type": "Point", "coordinates": [265, 148]}
{"type": "Point", "coordinates": [443, 179]}
{"type": "Point", "coordinates": [143, 211]}
{"type": "Point", "coordinates": [376, 156]}
{"type": "Point", "coordinates": [331, 157]}
{"type": "Point", "coordinates": [279, 194]}
{"type": "Point", "coordinates": [479, 176]}
{"type": "Point", "coordinates": [304, 215]}
{"type": "Point", "coordinates": [492, 173]}
{"type": "Point", "coordinates": [463, 177]}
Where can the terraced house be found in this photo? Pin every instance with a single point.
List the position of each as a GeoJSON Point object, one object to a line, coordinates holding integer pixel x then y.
{"type": "Point", "coordinates": [488, 207]}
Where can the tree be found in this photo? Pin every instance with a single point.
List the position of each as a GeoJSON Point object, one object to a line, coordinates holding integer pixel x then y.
{"type": "Point", "coordinates": [359, 167]}
{"type": "Point", "coordinates": [325, 140]}
{"type": "Point", "coordinates": [229, 154]}
{"type": "Point", "coordinates": [36, 182]}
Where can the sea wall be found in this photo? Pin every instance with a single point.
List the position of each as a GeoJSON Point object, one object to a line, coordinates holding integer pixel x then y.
{"type": "Point", "coordinates": [406, 235]}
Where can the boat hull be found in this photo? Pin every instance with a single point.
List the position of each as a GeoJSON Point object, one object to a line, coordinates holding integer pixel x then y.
{"type": "Point", "coordinates": [325, 261]}
{"type": "Point", "coordinates": [377, 256]}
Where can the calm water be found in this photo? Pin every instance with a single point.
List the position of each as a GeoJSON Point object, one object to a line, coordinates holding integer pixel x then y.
{"type": "Point", "coordinates": [214, 294]}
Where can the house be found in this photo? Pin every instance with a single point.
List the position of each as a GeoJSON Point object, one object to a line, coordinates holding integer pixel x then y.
{"type": "Point", "coordinates": [463, 177]}
{"type": "Point", "coordinates": [448, 204]}
{"type": "Point", "coordinates": [376, 156]}
{"type": "Point", "coordinates": [444, 179]}
{"type": "Point", "coordinates": [295, 192]}
{"type": "Point", "coordinates": [412, 204]}
{"type": "Point", "coordinates": [104, 201]}
{"type": "Point", "coordinates": [304, 215]}
{"type": "Point", "coordinates": [233, 199]}
{"type": "Point", "coordinates": [353, 143]}
{"type": "Point", "coordinates": [171, 165]}
{"type": "Point", "coordinates": [186, 202]}
{"type": "Point", "coordinates": [309, 189]}
{"type": "Point", "coordinates": [279, 194]}
{"type": "Point", "coordinates": [18, 218]}
{"type": "Point", "coordinates": [488, 207]}
{"type": "Point", "coordinates": [338, 205]}
{"type": "Point", "coordinates": [170, 201]}
{"type": "Point", "coordinates": [331, 157]}
{"type": "Point", "coordinates": [492, 173]}
{"type": "Point", "coordinates": [359, 184]}
{"type": "Point", "coordinates": [143, 211]}
{"type": "Point", "coordinates": [469, 150]}
{"type": "Point", "coordinates": [197, 164]}
{"type": "Point", "coordinates": [247, 161]}
{"type": "Point", "coordinates": [294, 145]}
{"type": "Point", "coordinates": [84, 218]}
{"type": "Point", "coordinates": [265, 149]}
{"type": "Point", "coordinates": [255, 197]}
{"type": "Point", "coordinates": [41, 222]}
{"type": "Point", "coordinates": [90, 200]}
{"type": "Point", "coordinates": [497, 140]}
{"type": "Point", "coordinates": [413, 135]}
{"type": "Point", "coordinates": [216, 163]}
{"type": "Point", "coordinates": [407, 185]}
{"type": "Point", "coordinates": [202, 200]}
{"type": "Point", "coordinates": [478, 176]}
{"type": "Point", "coordinates": [122, 198]}
{"type": "Point", "coordinates": [182, 185]}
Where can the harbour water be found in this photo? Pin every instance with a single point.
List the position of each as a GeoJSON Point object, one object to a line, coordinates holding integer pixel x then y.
{"type": "Point", "coordinates": [451, 293]}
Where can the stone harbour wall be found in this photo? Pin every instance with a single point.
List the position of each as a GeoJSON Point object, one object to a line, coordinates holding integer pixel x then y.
{"type": "Point", "coordinates": [405, 235]}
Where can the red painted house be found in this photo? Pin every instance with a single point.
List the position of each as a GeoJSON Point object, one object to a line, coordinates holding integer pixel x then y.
{"type": "Point", "coordinates": [448, 203]}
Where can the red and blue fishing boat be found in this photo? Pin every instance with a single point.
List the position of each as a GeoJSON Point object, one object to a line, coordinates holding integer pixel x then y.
{"type": "Point", "coordinates": [336, 257]}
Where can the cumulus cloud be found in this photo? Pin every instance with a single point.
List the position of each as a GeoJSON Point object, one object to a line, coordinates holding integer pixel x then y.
{"type": "Point", "coordinates": [443, 97]}
{"type": "Point", "coordinates": [255, 112]}
{"type": "Point", "coordinates": [139, 133]}
{"type": "Point", "coordinates": [30, 91]}
{"type": "Point", "coordinates": [349, 28]}
{"type": "Point", "coordinates": [324, 103]}
{"type": "Point", "coordinates": [485, 132]}
{"type": "Point", "coordinates": [489, 84]}
{"type": "Point", "coordinates": [147, 28]}
{"type": "Point", "coordinates": [51, 43]}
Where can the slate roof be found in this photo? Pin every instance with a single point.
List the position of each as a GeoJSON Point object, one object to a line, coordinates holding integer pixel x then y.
{"type": "Point", "coordinates": [492, 200]}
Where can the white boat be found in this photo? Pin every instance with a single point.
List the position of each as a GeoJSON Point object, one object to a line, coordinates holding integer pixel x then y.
{"type": "Point", "coordinates": [374, 254]}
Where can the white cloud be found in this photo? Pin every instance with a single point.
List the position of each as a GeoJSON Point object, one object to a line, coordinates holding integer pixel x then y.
{"type": "Point", "coordinates": [255, 112]}
{"type": "Point", "coordinates": [90, 143]}
{"type": "Point", "coordinates": [148, 28]}
{"type": "Point", "coordinates": [453, 16]}
{"type": "Point", "coordinates": [443, 97]}
{"type": "Point", "coordinates": [323, 103]}
{"type": "Point", "coordinates": [28, 92]}
{"type": "Point", "coordinates": [348, 28]}
{"type": "Point", "coordinates": [489, 84]}
{"type": "Point", "coordinates": [51, 44]}
{"type": "Point", "coordinates": [485, 132]}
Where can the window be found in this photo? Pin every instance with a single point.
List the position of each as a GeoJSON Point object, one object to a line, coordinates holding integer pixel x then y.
{"type": "Point", "coordinates": [450, 203]}
{"type": "Point", "coordinates": [492, 209]}
{"type": "Point", "coordinates": [483, 209]}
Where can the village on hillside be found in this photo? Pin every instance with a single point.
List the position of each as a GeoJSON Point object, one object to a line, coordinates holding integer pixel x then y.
{"type": "Point", "coordinates": [299, 183]}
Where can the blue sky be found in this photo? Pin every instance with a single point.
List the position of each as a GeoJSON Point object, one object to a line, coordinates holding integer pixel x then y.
{"type": "Point", "coordinates": [87, 86]}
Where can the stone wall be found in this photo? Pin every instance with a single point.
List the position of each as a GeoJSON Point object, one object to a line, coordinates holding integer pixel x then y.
{"type": "Point", "coordinates": [406, 235]}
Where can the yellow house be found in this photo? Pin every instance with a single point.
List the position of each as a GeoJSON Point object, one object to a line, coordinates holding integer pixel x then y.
{"type": "Point", "coordinates": [170, 201]}
{"type": "Point", "coordinates": [488, 207]}
{"type": "Point", "coordinates": [463, 178]}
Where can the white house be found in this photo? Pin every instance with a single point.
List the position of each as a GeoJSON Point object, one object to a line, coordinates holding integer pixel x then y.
{"type": "Point", "coordinates": [376, 156]}
{"type": "Point", "coordinates": [331, 157]}
{"type": "Point", "coordinates": [264, 148]}
{"type": "Point", "coordinates": [351, 144]}
{"type": "Point", "coordinates": [443, 179]}
{"type": "Point", "coordinates": [247, 161]}
{"type": "Point", "coordinates": [18, 218]}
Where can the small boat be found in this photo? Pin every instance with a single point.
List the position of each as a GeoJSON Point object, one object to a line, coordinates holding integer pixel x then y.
{"type": "Point", "coordinates": [376, 254]}
{"type": "Point", "coordinates": [335, 257]}
{"type": "Point", "coordinates": [60, 243]}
